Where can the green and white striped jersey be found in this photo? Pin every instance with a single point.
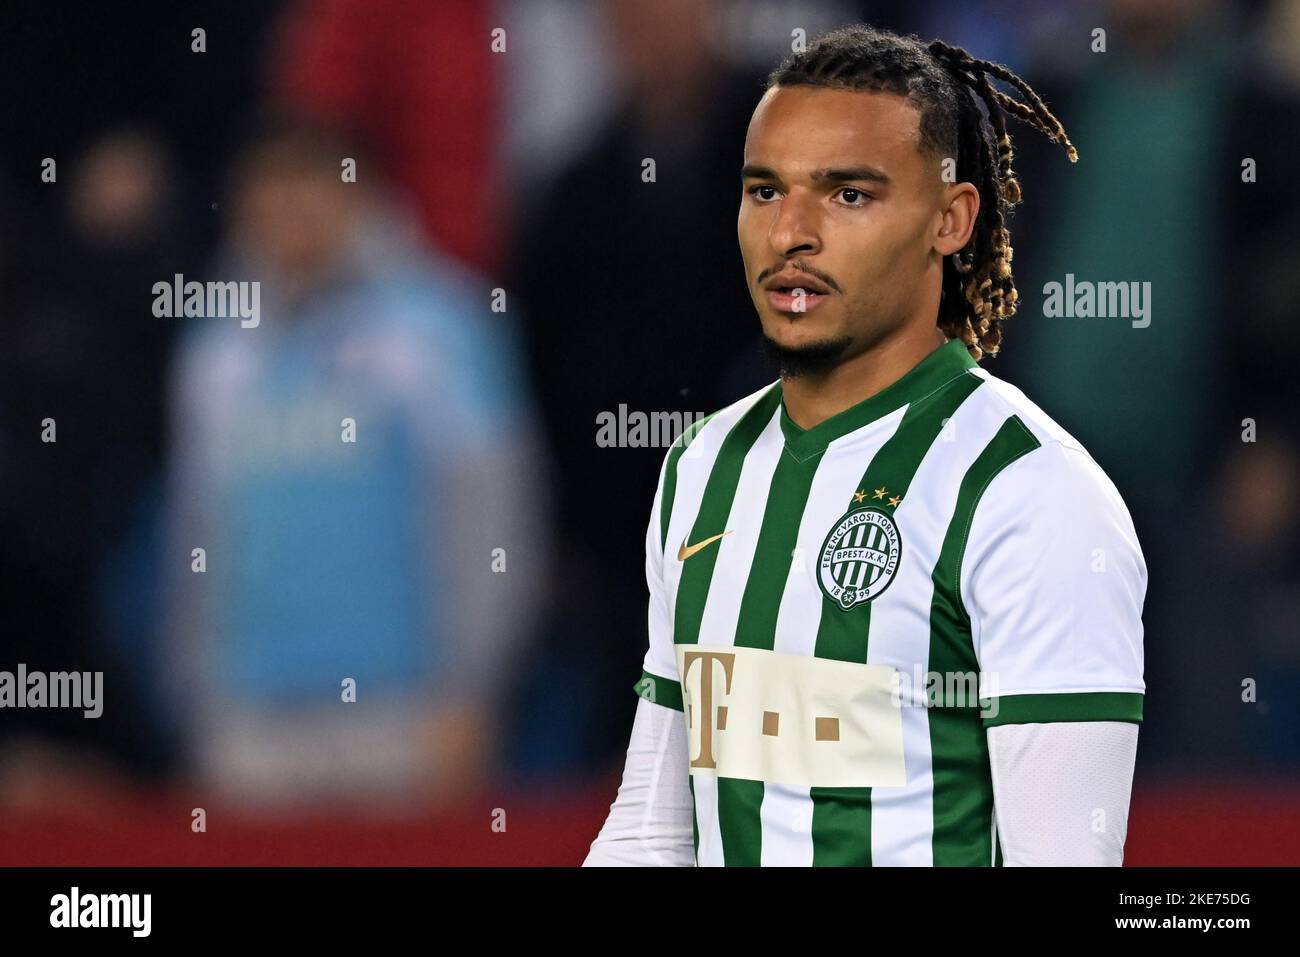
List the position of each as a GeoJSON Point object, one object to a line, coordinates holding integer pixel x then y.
{"type": "Point", "coordinates": [841, 612]}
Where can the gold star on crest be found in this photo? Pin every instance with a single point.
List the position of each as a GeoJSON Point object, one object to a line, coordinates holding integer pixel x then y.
{"type": "Point", "coordinates": [858, 496]}
{"type": "Point", "coordinates": [894, 500]}
{"type": "Point", "coordinates": [880, 492]}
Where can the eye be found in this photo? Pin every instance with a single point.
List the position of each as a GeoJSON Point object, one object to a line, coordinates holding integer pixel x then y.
{"type": "Point", "coordinates": [854, 196]}
{"type": "Point", "coordinates": [753, 191]}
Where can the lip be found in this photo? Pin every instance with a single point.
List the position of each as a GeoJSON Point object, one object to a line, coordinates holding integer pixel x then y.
{"type": "Point", "coordinates": [796, 304]}
{"type": "Point", "coordinates": [794, 279]}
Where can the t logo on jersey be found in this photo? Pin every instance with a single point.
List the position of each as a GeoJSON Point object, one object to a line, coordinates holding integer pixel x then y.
{"type": "Point", "coordinates": [710, 719]}
{"type": "Point", "coordinates": [759, 715]}
{"type": "Point", "coordinates": [859, 557]}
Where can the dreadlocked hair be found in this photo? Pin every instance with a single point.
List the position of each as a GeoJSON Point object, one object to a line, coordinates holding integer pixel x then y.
{"type": "Point", "coordinates": [947, 85]}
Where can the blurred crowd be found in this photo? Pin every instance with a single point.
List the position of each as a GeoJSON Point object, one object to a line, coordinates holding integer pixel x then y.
{"type": "Point", "coordinates": [368, 548]}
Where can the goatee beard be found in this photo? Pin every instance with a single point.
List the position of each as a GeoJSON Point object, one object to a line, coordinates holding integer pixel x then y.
{"type": "Point", "coordinates": [810, 359]}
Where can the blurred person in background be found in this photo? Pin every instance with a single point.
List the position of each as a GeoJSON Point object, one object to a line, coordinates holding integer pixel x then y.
{"type": "Point", "coordinates": [419, 83]}
{"type": "Point", "coordinates": [614, 273]}
{"type": "Point", "coordinates": [1255, 496]}
{"type": "Point", "coordinates": [407, 561]}
{"type": "Point", "coordinates": [78, 515]}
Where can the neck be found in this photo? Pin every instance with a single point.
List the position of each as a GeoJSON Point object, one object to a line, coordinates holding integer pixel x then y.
{"type": "Point", "coordinates": [812, 399]}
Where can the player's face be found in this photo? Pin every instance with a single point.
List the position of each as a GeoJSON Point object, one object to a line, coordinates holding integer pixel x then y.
{"type": "Point", "coordinates": [836, 186]}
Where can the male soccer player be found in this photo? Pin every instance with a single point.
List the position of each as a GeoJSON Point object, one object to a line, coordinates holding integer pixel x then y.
{"type": "Point", "coordinates": [895, 610]}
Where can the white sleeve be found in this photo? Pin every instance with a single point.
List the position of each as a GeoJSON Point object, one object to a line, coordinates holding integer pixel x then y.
{"type": "Point", "coordinates": [1061, 791]}
{"type": "Point", "coordinates": [650, 823]}
{"type": "Point", "coordinates": [659, 681]}
{"type": "Point", "coordinates": [652, 820]}
{"type": "Point", "coordinates": [1054, 582]}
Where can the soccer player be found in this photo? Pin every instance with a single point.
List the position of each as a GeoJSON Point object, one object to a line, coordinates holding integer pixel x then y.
{"type": "Point", "coordinates": [895, 609]}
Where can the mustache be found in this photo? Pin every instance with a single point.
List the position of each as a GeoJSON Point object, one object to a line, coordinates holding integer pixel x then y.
{"type": "Point", "coordinates": [817, 274]}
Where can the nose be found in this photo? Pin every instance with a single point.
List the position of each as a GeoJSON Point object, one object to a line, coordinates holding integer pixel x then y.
{"type": "Point", "coordinates": [795, 228]}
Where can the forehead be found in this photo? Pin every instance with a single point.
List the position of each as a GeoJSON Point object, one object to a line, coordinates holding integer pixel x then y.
{"type": "Point", "coordinates": [795, 129]}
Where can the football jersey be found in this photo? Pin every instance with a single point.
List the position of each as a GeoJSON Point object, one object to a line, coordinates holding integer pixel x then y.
{"type": "Point", "coordinates": [842, 611]}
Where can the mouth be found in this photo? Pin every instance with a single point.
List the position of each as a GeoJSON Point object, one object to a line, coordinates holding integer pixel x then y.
{"type": "Point", "coordinates": [795, 299]}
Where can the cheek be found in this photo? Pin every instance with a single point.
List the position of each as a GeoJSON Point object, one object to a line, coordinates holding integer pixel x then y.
{"type": "Point", "coordinates": [751, 235]}
{"type": "Point", "coordinates": [747, 226]}
{"type": "Point", "coordinates": [879, 276]}
{"type": "Point", "coordinates": [894, 252]}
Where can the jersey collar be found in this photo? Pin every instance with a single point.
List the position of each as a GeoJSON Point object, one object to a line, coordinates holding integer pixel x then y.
{"type": "Point", "coordinates": [941, 366]}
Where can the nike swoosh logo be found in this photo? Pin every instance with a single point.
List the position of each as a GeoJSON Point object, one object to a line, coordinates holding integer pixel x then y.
{"type": "Point", "coordinates": [684, 552]}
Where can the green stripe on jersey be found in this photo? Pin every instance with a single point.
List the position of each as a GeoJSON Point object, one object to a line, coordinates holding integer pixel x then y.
{"type": "Point", "coordinates": [670, 475]}
{"type": "Point", "coordinates": [787, 496]}
{"type": "Point", "coordinates": [715, 506]}
{"type": "Point", "coordinates": [1066, 706]}
{"type": "Point", "coordinates": [657, 690]}
{"type": "Point", "coordinates": [741, 841]}
{"type": "Point", "coordinates": [739, 822]}
{"type": "Point", "coordinates": [963, 788]}
{"type": "Point", "coordinates": [740, 801]}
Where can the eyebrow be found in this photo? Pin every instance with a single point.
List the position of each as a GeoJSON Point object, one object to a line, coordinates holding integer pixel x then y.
{"type": "Point", "coordinates": [844, 174]}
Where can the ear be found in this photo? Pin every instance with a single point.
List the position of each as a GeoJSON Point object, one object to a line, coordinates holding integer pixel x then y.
{"type": "Point", "coordinates": [961, 208]}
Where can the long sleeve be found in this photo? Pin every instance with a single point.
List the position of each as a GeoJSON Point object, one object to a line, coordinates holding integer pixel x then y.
{"type": "Point", "coordinates": [650, 822]}
{"type": "Point", "coordinates": [1061, 791]}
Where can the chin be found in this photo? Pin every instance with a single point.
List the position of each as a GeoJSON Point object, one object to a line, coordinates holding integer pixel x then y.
{"type": "Point", "coordinates": [796, 355]}
{"type": "Point", "coordinates": [796, 336]}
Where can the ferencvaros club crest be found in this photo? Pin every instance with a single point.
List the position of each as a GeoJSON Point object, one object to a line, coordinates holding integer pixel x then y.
{"type": "Point", "coordinates": [860, 557]}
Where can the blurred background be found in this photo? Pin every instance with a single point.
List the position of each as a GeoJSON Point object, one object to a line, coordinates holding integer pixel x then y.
{"type": "Point", "coordinates": [471, 558]}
